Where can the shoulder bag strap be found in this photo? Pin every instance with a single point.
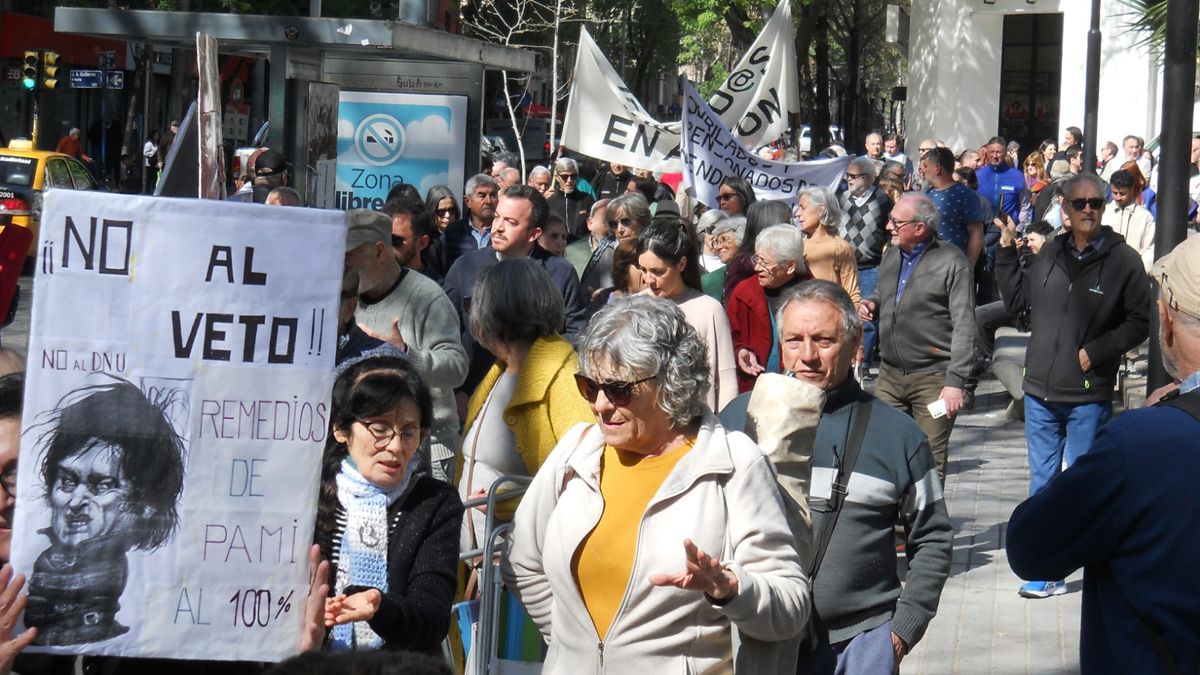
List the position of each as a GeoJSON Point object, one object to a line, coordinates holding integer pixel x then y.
{"type": "Point", "coordinates": [859, 417]}
{"type": "Point", "coordinates": [1189, 402]}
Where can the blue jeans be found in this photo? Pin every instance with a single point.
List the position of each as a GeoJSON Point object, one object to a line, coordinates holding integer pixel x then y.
{"type": "Point", "coordinates": [1053, 430]}
{"type": "Point", "coordinates": [868, 280]}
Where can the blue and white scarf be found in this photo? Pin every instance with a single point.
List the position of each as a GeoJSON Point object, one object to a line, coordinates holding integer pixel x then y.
{"type": "Point", "coordinates": [362, 558]}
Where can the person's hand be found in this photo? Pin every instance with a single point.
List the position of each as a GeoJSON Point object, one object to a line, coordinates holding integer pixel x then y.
{"type": "Point", "coordinates": [350, 608]}
{"type": "Point", "coordinates": [12, 603]}
{"type": "Point", "coordinates": [479, 494]}
{"type": "Point", "coordinates": [393, 339]}
{"type": "Point", "coordinates": [1085, 363]}
{"type": "Point", "coordinates": [748, 363]}
{"type": "Point", "coordinates": [866, 310]}
{"type": "Point", "coordinates": [1158, 394]}
{"type": "Point", "coordinates": [1008, 229]}
{"type": "Point", "coordinates": [953, 396]}
{"type": "Point", "coordinates": [703, 573]}
{"type": "Point", "coordinates": [900, 648]}
{"type": "Point", "coordinates": [314, 604]}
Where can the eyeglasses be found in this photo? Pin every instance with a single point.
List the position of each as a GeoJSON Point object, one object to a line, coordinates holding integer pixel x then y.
{"type": "Point", "coordinates": [623, 222]}
{"type": "Point", "coordinates": [446, 212]}
{"type": "Point", "coordinates": [901, 223]}
{"type": "Point", "coordinates": [725, 196]}
{"type": "Point", "coordinates": [567, 176]}
{"type": "Point", "coordinates": [854, 176]}
{"type": "Point", "coordinates": [1163, 283]}
{"type": "Point", "coordinates": [1096, 203]}
{"type": "Point", "coordinates": [8, 481]}
{"type": "Point", "coordinates": [397, 241]}
{"type": "Point", "coordinates": [617, 393]}
{"type": "Point", "coordinates": [763, 263]}
{"type": "Point", "coordinates": [383, 433]}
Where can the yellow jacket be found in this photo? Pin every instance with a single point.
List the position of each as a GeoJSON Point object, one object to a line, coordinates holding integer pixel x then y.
{"type": "Point", "coordinates": [545, 404]}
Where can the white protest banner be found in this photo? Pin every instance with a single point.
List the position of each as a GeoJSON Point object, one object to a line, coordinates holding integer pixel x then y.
{"type": "Point", "coordinates": [176, 407]}
{"type": "Point", "coordinates": [605, 120]}
{"type": "Point", "coordinates": [711, 153]}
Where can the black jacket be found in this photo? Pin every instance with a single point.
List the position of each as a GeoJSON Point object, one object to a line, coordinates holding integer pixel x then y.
{"type": "Point", "coordinates": [422, 566]}
{"type": "Point", "coordinates": [574, 209]}
{"type": "Point", "coordinates": [1101, 305]}
{"type": "Point", "coordinates": [608, 184]}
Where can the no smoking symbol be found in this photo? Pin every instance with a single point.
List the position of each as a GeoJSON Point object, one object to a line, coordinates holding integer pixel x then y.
{"type": "Point", "coordinates": [379, 139]}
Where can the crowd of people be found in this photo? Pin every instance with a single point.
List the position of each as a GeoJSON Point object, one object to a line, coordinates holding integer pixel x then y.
{"type": "Point", "coordinates": [736, 418]}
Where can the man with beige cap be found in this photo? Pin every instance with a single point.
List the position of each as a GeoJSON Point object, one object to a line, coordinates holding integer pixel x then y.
{"type": "Point", "coordinates": [410, 311]}
{"type": "Point", "coordinates": [1128, 509]}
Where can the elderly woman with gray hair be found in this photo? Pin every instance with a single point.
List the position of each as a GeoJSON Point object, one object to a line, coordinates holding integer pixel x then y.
{"type": "Point", "coordinates": [648, 537]}
{"type": "Point", "coordinates": [568, 201]}
{"type": "Point", "coordinates": [752, 306]}
{"type": "Point", "coordinates": [527, 401]}
{"type": "Point", "coordinates": [827, 255]}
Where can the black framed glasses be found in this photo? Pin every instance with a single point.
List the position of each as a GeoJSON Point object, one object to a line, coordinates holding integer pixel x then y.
{"type": "Point", "coordinates": [623, 222]}
{"type": "Point", "coordinates": [8, 481]}
{"type": "Point", "coordinates": [725, 196]}
{"type": "Point", "coordinates": [617, 393]}
{"type": "Point", "coordinates": [568, 176]}
{"type": "Point", "coordinates": [854, 176]}
{"type": "Point", "coordinates": [383, 433]}
{"type": "Point", "coordinates": [397, 241]}
{"type": "Point", "coordinates": [448, 211]}
{"type": "Point", "coordinates": [1096, 203]}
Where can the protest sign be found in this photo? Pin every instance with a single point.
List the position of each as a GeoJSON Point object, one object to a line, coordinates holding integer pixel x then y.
{"type": "Point", "coordinates": [384, 139]}
{"type": "Point", "coordinates": [711, 152]}
{"type": "Point", "coordinates": [176, 407]}
{"type": "Point", "coordinates": [605, 120]}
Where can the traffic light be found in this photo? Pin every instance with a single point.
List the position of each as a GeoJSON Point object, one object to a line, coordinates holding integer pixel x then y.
{"type": "Point", "coordinates": [29, 70]}
{"type": "Point", "coordinates": [49, 70]}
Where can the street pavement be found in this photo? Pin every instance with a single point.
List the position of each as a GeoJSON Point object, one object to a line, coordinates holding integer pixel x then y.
{"type": "Point", "coordinates": [982, 625]}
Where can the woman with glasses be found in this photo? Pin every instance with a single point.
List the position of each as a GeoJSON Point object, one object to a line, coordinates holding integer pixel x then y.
{"type": "Point", "coordinates": [752, 306]}
{"type": "Point", "coordinates": [651, 535]}
{"type": "Point", "coordinates": [527, 400]}
{"type": "Point", "coordinates": [671, 269]}
{"type": "Point", "coordinates": [726, 238]}
{"type": "Point", "coordinates": [389, 533]}
{"type": "Point", "coordinates": [759, 217]}
{"type": "Point", "coordinates": [826, 255]}
{"type": "Point", "coordinates": [569, 202]}
{"type": "Point", "coordinates": [734, 196]}
{"type": "Point", "coordinates": [442, 205]}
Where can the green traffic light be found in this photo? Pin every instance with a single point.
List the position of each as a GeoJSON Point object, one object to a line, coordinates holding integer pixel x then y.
{"type": "Point", "coordinates": [29, 83]}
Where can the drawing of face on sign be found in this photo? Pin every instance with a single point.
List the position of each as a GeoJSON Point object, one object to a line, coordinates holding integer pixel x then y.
{"type": "Point", "coordinates": [112, 468]}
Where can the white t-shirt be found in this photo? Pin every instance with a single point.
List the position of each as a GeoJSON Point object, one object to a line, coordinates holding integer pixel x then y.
{"type": "Point", "coordinates": [489, 452]}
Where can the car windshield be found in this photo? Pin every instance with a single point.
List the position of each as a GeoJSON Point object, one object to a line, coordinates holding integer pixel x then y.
{"type": "Point", "coordinates": [17, 170]}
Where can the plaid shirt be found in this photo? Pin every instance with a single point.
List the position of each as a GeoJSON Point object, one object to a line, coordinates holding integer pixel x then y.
{"type": "Point", "coordinates": [866, 227]}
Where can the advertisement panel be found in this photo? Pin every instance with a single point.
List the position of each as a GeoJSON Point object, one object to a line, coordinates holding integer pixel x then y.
{"type": "Point", "coordinates": [386, 138]}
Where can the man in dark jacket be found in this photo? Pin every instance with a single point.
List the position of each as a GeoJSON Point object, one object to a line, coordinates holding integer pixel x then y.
{"type": "Point", "coordinates": [568, 202]}
{"type": "Point", "coordinates": [612, 183]}
{"type": "Point", "coordinates": [925, 302]}
{"type": "Point", "coordinates": [1127, 510]}
{"type": "Point", "coordinates": [474, 230]}
{"type": "Point", "coordinates": [1089, 302]}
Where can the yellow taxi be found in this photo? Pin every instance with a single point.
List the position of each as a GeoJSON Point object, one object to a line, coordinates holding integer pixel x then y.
{"type": "Point", "coordinates": [25, 173]}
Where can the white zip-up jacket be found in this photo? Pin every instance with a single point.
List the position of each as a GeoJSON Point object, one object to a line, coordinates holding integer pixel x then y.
{"type": "Point", "coordinates": [724, 497]}
{"type": "Point", "coordinates": [1136, 224]}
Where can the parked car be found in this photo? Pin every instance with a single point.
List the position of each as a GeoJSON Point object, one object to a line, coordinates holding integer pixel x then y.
{"type": "Point", "coordinates": [25, 174]}
{"type": "Point", "coordinates": [835, 133]}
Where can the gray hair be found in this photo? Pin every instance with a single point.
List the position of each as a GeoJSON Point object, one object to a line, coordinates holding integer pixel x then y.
{"type": "Point", "coordinates": [926, 211]}
{"type": "Point", "coordinates": [477, 181]}
{"type": "Point", "coordinates": [734, 224]}
{"type": "Point", "coordinates": [820, 290]}
{"type": "Point", "coordinates": [537, 171]}
{"type": "Point", "coordinates": [866, 165]}
{"type": "Point", "coordinates": [515, 301]}
{"type": "Point", "coordinates": [566, 164]}
{"type": "Point", "coordinates": [287, 196]}
{"type": "Point", "coordinates": [597, 205]}
{"type": "Point", "coordinates": [784, 242]}
{"type": "Point", "coordinates": [710, 219]}
{"type": "Point", "coordinates": [640, 336]}
{"type": "Point", "coordinates": [635, 206]}
{"type": "Point", "coordinates": [1071, 184]}
{"type": "Point", "coordinates": [511, 174]}
{"type": "Point", "coordinates": [819, 195]}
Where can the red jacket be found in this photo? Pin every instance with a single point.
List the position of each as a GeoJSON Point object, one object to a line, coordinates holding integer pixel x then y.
{"type": "Point", "coordinates": [749, 324]}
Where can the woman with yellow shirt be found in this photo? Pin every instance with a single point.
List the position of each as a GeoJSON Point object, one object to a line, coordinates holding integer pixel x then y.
{"type": "Point", "coordinates": [528, 400]}
{"type": "Point", "coordinates": [649, 536]}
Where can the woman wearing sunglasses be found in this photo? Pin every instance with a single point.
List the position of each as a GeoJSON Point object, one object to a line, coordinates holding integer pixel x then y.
{"type": "Point", "coordinates": [389, 533]}
{"type": "Point", "coordinates": [648, 537]}
{"type": "Point", "coordinates": [442, 205]}
{"type": "Point", "coordinates": [527, 400]}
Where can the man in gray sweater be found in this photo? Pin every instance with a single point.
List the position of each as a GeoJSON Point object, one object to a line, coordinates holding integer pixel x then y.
{"type": "Point", "coordinates": [410, 311]}
{"type": "Point", "coordinates": [925, 302]}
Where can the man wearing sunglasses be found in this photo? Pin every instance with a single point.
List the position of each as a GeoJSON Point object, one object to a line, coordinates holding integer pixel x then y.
{"type": "Point", "coordinates": [1089, 302]}
{"type": "Point", "coordinates": [568, 201]}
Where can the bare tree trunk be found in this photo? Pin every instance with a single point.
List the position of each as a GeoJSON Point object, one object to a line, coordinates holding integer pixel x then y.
{"type": "Point", "coordinates": [130, 140]}
{"type": "Point", "coordinates": [512, 117]}
{"type": "Point", "coordinates": [554, 79]}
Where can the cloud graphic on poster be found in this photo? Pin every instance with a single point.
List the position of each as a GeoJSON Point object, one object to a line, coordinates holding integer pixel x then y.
{"type": "Point", "coordinates": [345, 129]}
{"type": "Point", "coordinates": [428, 139]}
{"type": "Point", "coordinates": [431, 180]}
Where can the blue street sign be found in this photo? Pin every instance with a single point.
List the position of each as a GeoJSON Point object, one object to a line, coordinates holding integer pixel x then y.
{"type": "Point", "coordinates": [116, 79]}
{"type": "Point", "coordinates": [87, 79]}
